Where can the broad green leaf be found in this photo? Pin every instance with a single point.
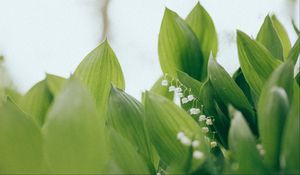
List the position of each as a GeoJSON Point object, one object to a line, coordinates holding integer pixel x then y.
{"type": "Point", "coordinates": [211, 108]}
{"type": "Point", "coordinates": [55, 83]}
{"type": "Point", "coordinates": [125, 158]}
{"type": "Point", "coordinates": [289, 160]}
{"type": "Point", "coordinates": [240, 80]}
{"type": "Point", "coordinates": [283, 36]}
{"type": "Point", "coordinates": [269, 37]}
{"type": "Point", "coordinates": [273, 107]}
{"type": "Point", "coordinates": [243, 147]}
{"type": "Point", "coordinates": [126, 116]}
{"type": "Point", "coordinates": [74, 133]}
{"type": "Point", "coordinates": [20, 142]}
{"type": "Point", "coordinates": [229, 92]}
{"type": "Point", "coordinates": [256, 62]}
{"type": "Point", "coordinates": [178, 48]}
{"type": "Point", "coordinates": [297, 78]}
{"type": "Point", "coordinates": [164, 120]}
{"type": "Point", "coordinates": [98, 70]}
{"type": "Point", "coordinates": [37, 101]}
{"type": "Point", "coordinates": [203, 26]}
{"type": "Point", "coordinates": [294, 52]}
{"type": "Point", "coordinates": [162, 90]}
{"type": "Point", "coordinates": [190, 82]}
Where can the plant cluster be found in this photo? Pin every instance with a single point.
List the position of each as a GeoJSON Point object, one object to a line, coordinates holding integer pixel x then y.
{"type": "Point", "coordinates": [196, 119]}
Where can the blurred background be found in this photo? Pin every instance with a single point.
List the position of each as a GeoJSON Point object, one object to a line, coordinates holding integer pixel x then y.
{"type": "Point", "coordinates": [53, 36]}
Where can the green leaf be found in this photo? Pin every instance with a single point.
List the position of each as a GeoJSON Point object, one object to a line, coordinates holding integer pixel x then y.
{"type": "Point", "coordinates": [190, 82]}
{"type": "Point", "coordinates": [163, 121]}
{"type": "Point", "coordinates": [297, 78]}
{"type": "Point", "coordinates": [295, 28]}
{"type": "Point", "coordinates": [125, 158]}
{"type": "Point", "coordinates": [211, 108]}
{"type": "Point", "coordinates": [257, 63]}
{"type": "Point", "coordinates": [294, 52]}
{"type": "Point", "coordinates": [272, 110]}
{"type": "Point", "coordinates": [178, 48]}
{"type": "Point", "coordinates": [290, 141]}
{"type": "Point", "coordinates": [283, 36]}
{"type": "Point", "coordinates": [74, 133]}
{"type": "Point", "coordinates": [243, 147]}
{"type": "Point", "coordinates": [55, 83]}
{"type": "Point", "coordinates": [98, 70]}
{"type": "Point", "coordinates": [203, 26]}
{"type": "Point", "coordinates": [162, 90]}
{"type": "Point", "coordinates": [240, 80]}
{"type": "Point", "coordinates": [229, 92]}
{"type": "Point", "coordinates": [21, 142]}
{"type": "Point", "coordinates": [37, 101]}
{"type": "Point", "coordinates": [269, 37]}
{"type": "Point", "coordinates": [126, 116]}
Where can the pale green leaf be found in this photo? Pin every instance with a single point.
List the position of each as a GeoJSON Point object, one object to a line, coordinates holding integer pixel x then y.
{"type": "Point", "coordinates": [98, 70]}
{"type": "Point", "coordinates": [125, 158]}
{"type": "Point", "coordinates": [243, 146]}
{"type": "Point", "coordinates": [20, 142]}
{"type": "Point", "coordinates": [269, 37]}
{"type": "Point", "coordinates": [178, 47]}
{"type": "Point", "coordinates": [162, 90]}
{"type": "Point", "coordinates": [256, 62]}
{"type": "Point", "coordinates": [190, 82]}
{"type": "Point", "coordinates": [37, 101]}
{"type": "Point", "coordinates": [283, 36]}
{"type": "Point", "coordinates": [74, 133]}
{"type": "Point", "coordinates": [203, 26]}
{"type": "Point", "coordinates": [55, 83]}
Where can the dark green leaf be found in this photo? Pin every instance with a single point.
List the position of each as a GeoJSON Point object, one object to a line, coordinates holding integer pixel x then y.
{"type": "Point", "coordinates": [178, 47]}
{"type": "Point", "coordinates": [273, 107]}
{"type": "Point", "coordinates": [294, 52]}
{"type": "Point", "coordinates": [164, 120]}
{"type": "Point", "coordinates": [229, 92]}
{"type": "Point", "coordinates": [126, 116]}
{"type": "Point", "coordinates": [290, 141]}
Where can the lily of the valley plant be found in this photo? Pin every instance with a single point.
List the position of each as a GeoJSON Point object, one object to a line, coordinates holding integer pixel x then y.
{"type": "Point", "coordinates": [197, 118]}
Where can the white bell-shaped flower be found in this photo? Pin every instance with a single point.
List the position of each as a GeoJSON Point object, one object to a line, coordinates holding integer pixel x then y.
{"type": "Point", "coordinates": [184, 100]}
{"type": "Point", "coordinates": [186, 141]}
{"type": "Point", "coordinates": [205, 129]}
{"type": "Point", "coordinates": [180, 135]}
{"type": "Point", "coordinates": [180, 94]}
{"type": "Point", "coordinates": [209, 121]}
{"type": "Point", "coordinates": [164, 82]}
{"type": "Point", "coordinates": [195, 143]}
{"type": "Point", "coordinates": [198, 155]}
{"type": "Point", "coordinates": [178, 90]}
{"type": "Point", "coordinates": [213, 144]}
{"type": "Point", "coordinates": [202, 118]}
{"type": "Point", "coordinates": [191, 97]}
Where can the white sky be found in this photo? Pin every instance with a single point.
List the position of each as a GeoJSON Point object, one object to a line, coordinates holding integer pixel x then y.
{"type": "Point", "coordinates": [38, 36]}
